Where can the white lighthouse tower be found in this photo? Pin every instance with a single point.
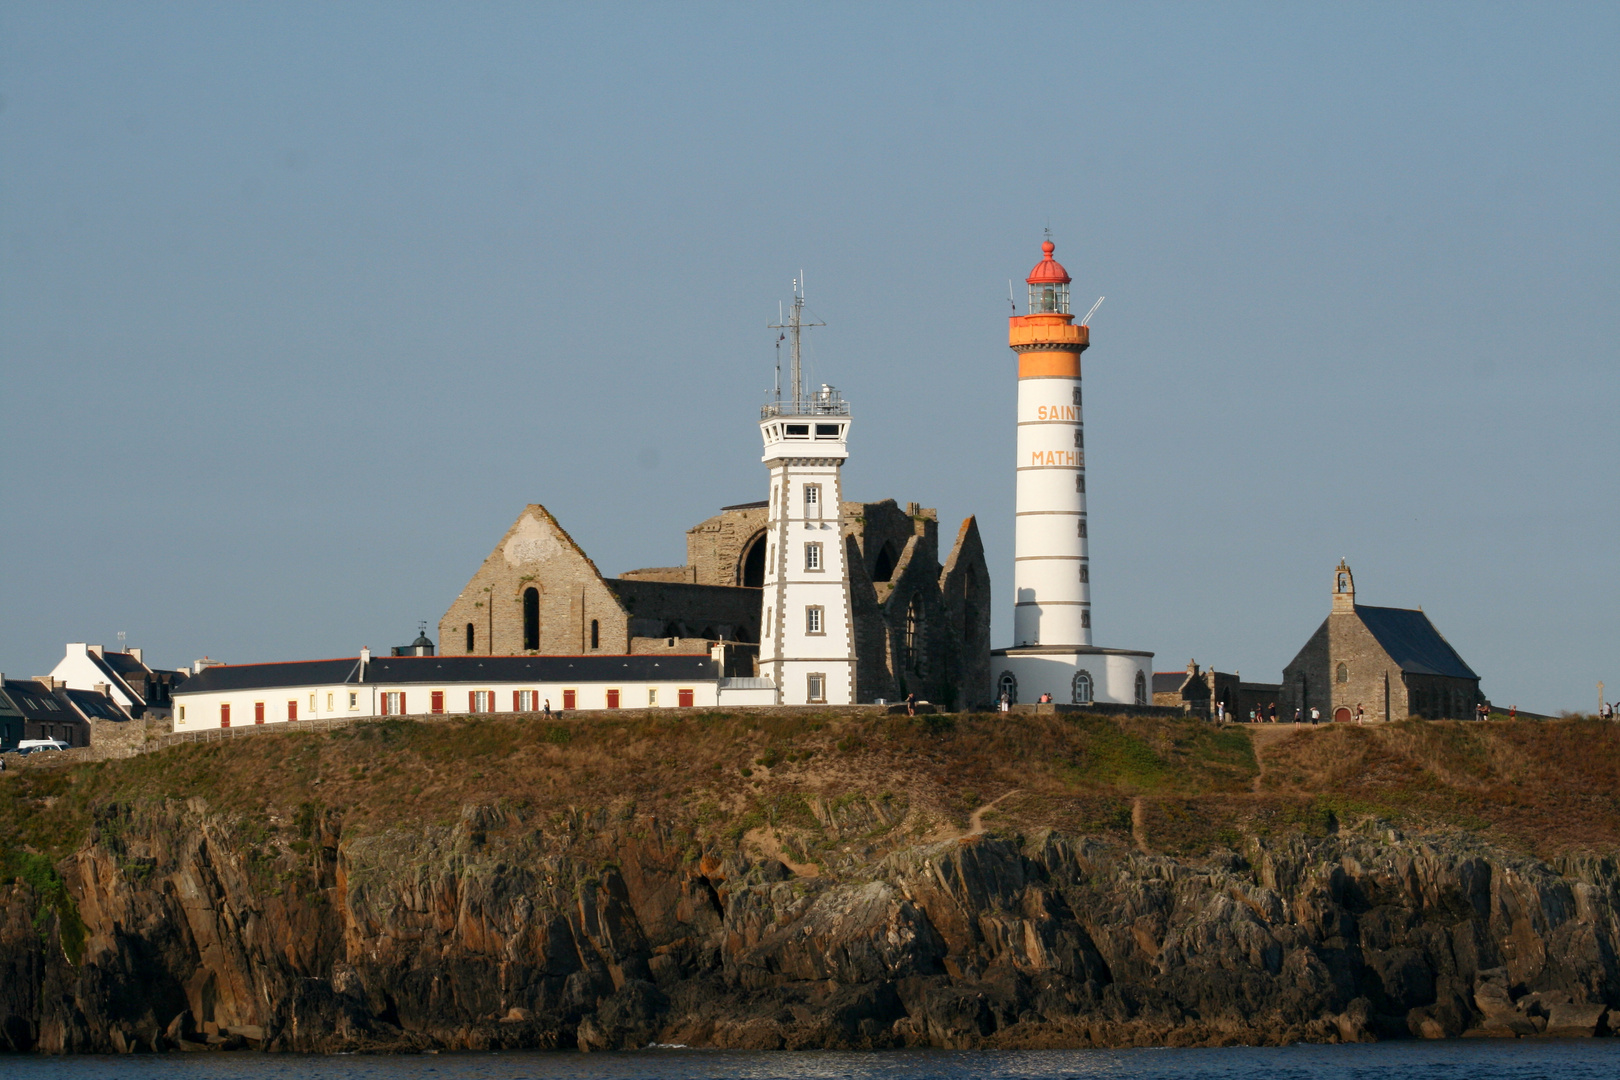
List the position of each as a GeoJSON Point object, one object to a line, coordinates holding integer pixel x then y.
{"type": "Point", "coordinates": [807, 643]}
{"type": "Point", "coordinates": [1052, 652]}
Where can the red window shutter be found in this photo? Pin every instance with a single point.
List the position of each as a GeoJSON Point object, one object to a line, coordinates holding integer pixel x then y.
{"type": "Point", "coordinates": [402, 703]}
{"type": "Point", "coordinates": [517, 704]}
{"type": "Point", "coordinates": [569, 699]}
{"type": "Point", "coordinates": [613, 699]}
{"type": "Point", "coordinates": [472, 701]}
{"type": "Point", "coordinates": [685, 699]}
{"type": "Point", "coordinates": [224, 716]}
{"type": "Point", "coordinates": [438, 701]}
{"type": "Point", "coordinates": [292, 710]}
{"type": "Point", "coordinates": [258, 712]}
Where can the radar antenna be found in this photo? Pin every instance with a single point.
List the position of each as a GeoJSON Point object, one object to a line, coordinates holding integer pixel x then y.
{"type": "Point", "coordinates": [794, 324]}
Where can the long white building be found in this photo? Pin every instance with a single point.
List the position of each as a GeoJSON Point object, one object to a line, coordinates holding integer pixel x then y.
{"type": "Point", "coordinates": [234, 695]}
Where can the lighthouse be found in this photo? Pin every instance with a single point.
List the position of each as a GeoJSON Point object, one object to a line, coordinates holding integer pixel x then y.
{"type": "Point", "coordinates": [1052, 651]}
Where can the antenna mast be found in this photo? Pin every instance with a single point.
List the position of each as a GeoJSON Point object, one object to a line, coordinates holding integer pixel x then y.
{"type": "Point", "coordinates": [794, 325]}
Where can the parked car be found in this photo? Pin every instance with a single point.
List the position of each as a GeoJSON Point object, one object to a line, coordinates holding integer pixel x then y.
{"type": "Point", "coordinates": [30, 746]}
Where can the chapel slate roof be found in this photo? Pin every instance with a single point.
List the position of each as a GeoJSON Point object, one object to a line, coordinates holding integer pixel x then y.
{"type": "Point", "coordinates": [404, 670]}
{"type": "Point", "coordinates": [1413, 643]}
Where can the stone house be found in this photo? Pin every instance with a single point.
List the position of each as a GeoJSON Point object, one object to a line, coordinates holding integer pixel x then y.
{"type": "Point", "coordinates": [1198, 690]}
{"type": "Point", "coordinates": [47, 708]}
{"type": "Point", "coordinates": [919, 625]}
{"type": "Point", "coordinates": [1390, 661]}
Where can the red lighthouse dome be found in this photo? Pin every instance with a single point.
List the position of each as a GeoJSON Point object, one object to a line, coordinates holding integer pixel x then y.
{"type": "Point", "coordinates": [1048, 270]}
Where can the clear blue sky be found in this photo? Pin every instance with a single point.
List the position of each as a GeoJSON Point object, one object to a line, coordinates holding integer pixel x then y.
{"type": "Point", "coordinates": [300, 304]}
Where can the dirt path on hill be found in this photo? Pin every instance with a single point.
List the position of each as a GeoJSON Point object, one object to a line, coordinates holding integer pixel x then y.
{"type": "Point", "coordinates": [1266, 736]}
{"type": "Point", "coordinates": [764, 839]}
{"type": "Point", "coordinates": [976, 819]}
{"type": "Point", "coordinates": [1139, 825]}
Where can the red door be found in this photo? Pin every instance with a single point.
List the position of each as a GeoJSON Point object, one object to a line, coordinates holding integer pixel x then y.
{"type": "Point", "coordinates": [292, 710]}
{"type": "Point", "coordinates": [684, 697]}
{"type": "Point", "coordinates": [438, 701]}
{"type": "Point", "coordinates": [569, 697]}
{"type": "Point", "coordinates": [258, 712]}
{"type": "Point", "coordinates": [613, 699]}
{"type": "Point", "coordinates": [1341, 715]}
{"type": "Point", "coordinates": [224, 716]}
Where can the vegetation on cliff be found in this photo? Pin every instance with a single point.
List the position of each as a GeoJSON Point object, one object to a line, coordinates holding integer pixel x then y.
{"type": "Point", "coordinates": [803, 879]}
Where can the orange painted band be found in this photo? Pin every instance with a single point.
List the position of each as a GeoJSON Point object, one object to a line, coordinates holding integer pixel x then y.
{"type": "Point", "coordinates": [1060, 365]}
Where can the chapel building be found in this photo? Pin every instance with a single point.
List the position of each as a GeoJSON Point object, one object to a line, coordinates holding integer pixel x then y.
{"type": "Point", "coordinates": [1391, 662]}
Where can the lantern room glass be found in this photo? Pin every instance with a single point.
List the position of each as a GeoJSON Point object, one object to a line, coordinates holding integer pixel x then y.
{"type": "Point", "coordinates": [1049, 298]}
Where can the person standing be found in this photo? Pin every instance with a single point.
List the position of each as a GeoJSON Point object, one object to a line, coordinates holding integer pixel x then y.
{"type": "Point", "coordinates": [1271, 713]}
{"type": "Point", "coordinates": [1316, 715]}
{"type": "Point", "coordinates": [1513, 712]}
{"type": "Point", "coordinates": [1297, 714]}
{"type": "Point", "coordinates": [1220, 712]}
{"type": "Point", "coordinates": [1360, 716]}
{"type": "Point", "coordinates": [547, 713]}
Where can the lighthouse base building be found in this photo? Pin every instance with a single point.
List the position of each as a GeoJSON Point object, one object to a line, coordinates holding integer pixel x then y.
{"type": "Point", "coordinates": [1052, 657]}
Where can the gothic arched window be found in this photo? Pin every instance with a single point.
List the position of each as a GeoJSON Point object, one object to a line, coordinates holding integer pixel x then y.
{"type": "Point", "coordinates": [531, 618]}
{"type": "Point", "coordinates": [1141, 688]}
{"type": "Point", "coordinates": [914, 634]}
{"type": "Point", "coordinates": [596, 634]}
{"type": "Point", "coordinates": [1343, 673]}
{"type": "Point", "coordinates": [1008, 684]}
{"type": "Point", "coordinates": [1082, 691]}
{"type": "Point", "coordinates": [470, 636]}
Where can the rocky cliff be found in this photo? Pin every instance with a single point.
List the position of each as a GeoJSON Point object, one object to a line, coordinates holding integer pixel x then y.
{"type": "Point", "coordinates": [844, 917]}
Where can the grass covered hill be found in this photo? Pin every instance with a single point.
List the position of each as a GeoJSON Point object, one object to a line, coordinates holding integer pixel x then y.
{"type": "Point", "coordinates": [822, 790]}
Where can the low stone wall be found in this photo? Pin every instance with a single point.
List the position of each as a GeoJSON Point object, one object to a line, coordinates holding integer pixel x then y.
{"type": "Point", "coordinates": [108, 739]}
{"type": "Point", "coordinates": [1099, 708]}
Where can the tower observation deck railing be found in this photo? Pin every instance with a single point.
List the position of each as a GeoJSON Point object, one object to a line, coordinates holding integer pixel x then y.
{"type": "Point", "coordinates": [827, 402]}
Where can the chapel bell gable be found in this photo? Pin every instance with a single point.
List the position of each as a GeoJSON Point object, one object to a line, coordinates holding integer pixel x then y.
{"type": "Point", "coordinates": [1344, 589]}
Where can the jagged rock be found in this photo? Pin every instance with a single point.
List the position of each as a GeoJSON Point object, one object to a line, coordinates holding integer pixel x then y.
{"type": "Point", "coordinates": [496, 931]}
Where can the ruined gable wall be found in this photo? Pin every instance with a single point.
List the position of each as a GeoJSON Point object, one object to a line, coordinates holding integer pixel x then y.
{"type": "Point", "coordinates": [1307, 672]}
{"type": "Point", "coordinates": [538, 553]}
{"type": "Point", "coordinates": [715, 547]}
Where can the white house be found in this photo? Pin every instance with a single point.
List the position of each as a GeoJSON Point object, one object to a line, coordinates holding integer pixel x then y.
{"type": "Point", "coordinates": [235, 695]}
{"type": "Point", "coordinates": [123, 676]}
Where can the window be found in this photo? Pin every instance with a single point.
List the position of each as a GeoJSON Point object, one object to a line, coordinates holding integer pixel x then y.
{"type": "Point", "coordinates": [437, 701]}
{"type": "Point", "coordinates": [569, 698]}
{"type": "Point", "coordinates": [354, 700]}
{"type": "Point", "coordinates": [328, 702]}
{"type": "Point", "coordinates": [683, 698]}
{"type": "Point", "coordinates": [1082, 527]}
{"type": "Point", "coordinates": [393, 703]}
{"type": "Point", "coordinates": [652, 697]}
{"type": "Point", "coordinates": [471, 636]}
{"type": "Point", "coordinates": [1342, 674]}
{"type": "Point", "coordinates": [292, 710]}
{"type": "Point", "coordinates": [798, 431]}
{"type": "Point", "coordinates": [883, 568]}
{"type": "Point", "coordinates": [312, 704]}
{"type": "Point", "coordinates": [596, 634]}
{"type": "Point", "coordinates": [613, 699]}
{"type": "Point", "coordinates": [812, 556]}
{"type": "Point", "coordinates": [812, 500]}
{"type": "Point", "coordinates": [1141, 688]}
{"type": "Point", "coordinates": [1082, 692]}
{"type": "Point", "coordinates": [1085, 619]}
{"type": "Point", "coordinates": [1077, 396]}
{"type": "Point", "coordinates": [914, 634]}
{"type": "Point", "coordinates": [812, 620]}
{"type": "Point", "coordinates": [826, 431]}
{"type": "Point", "coordinates": [767, 632]}
{"type": "Point", "coordinates": [524, 701]}
{"type": "Point", "coordinates": [816, 688]}
{"type": "Point", "coordinates": [224, 714]}
{"type": "Point", "coordinates": [1080, 483]}
{"type": "Point", "coordinates": [481, 701]}
{"type": "Point", "coordinates": [182, 712]}
{"type": "Point", "coordinates": [258, 712]}
{"type": "Point", "coordinates": [1085, 572]}
{"type": "Point", "coordinates": [531, 618]}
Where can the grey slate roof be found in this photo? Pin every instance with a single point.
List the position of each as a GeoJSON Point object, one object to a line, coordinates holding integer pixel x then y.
{"type": "Point", "coordinates": [1165, 682]}
{"type": "Point", "coordinates": [445, 670]}
{"type": "Point", "coordinates": [1413, 643]}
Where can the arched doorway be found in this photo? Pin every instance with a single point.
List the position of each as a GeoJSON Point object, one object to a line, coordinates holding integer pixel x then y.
{"type": "Point", "coordinates": [751, 570]}
{"type": "Point", "coordinates": [1341, 715]}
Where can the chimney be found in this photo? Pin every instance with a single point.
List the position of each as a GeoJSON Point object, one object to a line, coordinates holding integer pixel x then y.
{"type": "Point", "coordinates": [93, 650]}
{"type": "Point", "coordinates": [100, 688]}
{"type": "Point", "coordinates": [365, 661]}
{"type": "Point", "coordinates": [136, 653]}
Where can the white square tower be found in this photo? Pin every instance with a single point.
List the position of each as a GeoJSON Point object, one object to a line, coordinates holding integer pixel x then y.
{"type": "Point", "coordinates": [807, 642]}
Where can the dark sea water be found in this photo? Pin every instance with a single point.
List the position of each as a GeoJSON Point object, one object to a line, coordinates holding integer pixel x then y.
{"type": "Point", "coordinates": [1584, 1059]}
